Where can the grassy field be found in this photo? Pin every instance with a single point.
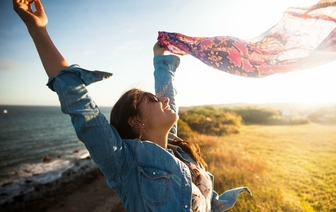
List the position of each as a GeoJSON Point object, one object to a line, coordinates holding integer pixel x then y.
{"type": "Point", "coordinates": [287, 168]}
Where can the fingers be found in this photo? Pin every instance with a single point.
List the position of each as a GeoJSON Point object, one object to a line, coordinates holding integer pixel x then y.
{"type": "Point", "coordinates": [157, 44]}
{"type": "Point", "coordinates": [39, 6]}
{"type": "Point", "coordinates": [22, 5]}
{"type": "Point", "coordinates": [19, 7]}
{"type": "Point", "coordinates": [24, 9]}
{"type": "Point", "coordinates": [26, 2]}
{"type": "Point", "coordinates": [16, 4]}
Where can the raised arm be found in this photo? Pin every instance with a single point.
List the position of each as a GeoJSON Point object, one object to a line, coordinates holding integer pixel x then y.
{"type": "Point", "coordinates": [164, 75]}
{"type": "Point", "coordinates": [36, 22]}
{"type": "Point", "coordinates": [69, 82]}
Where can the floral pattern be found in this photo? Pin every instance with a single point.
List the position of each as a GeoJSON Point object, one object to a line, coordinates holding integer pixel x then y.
{"type": "Point", "coordinates": [201, 189]}
{"type": "Point", "coordinates": [304, 38]}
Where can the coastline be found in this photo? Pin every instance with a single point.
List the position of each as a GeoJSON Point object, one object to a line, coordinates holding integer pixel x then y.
{"type": "Point", "coordinates": [81, 188]}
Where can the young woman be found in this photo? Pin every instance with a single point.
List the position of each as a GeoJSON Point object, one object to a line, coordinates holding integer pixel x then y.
{"type": "Point", "coordinates": [148, 172]}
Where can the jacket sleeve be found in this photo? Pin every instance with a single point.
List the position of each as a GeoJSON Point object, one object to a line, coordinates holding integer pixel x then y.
{"type": "Point", "coordinates": [164, 74]}
{"type": "Point", "coordinates": [92, 128]}
{"type": "Point", "coordinates": [226, 200]}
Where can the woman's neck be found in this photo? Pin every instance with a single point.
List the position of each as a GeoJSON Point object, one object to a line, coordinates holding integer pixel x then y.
{"type": "Point", "coordinates": [159, 139]}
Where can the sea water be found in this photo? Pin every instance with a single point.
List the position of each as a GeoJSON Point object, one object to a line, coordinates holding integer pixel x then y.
{"type": "Point", "coordinates": [37, 143]}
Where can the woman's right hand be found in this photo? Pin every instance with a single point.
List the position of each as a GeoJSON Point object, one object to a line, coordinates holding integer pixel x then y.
{"type": "Point", "coordinates": [36, 22]}
{"type": "Point", "coordinates": [31, 18]}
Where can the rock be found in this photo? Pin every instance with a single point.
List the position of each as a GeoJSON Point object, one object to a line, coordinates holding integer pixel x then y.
{"type": "Point", "coordinates": [46, 159]}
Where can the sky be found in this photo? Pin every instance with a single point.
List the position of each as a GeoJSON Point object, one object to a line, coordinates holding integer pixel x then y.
{"type": "Point", "coordinates": [118, 37]}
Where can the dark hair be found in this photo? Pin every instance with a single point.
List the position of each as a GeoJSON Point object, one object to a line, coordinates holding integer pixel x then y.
{"type": "Point", "coordinates": [126, 107]}
{"type": "Point", "coordinates": [191, 149]}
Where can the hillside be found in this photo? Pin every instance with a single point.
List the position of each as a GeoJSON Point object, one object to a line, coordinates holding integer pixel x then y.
{"type": "Point", "coordinates": [323, 113]}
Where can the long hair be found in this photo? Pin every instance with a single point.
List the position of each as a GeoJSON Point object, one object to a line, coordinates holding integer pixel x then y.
{"type": "Point", "coordinates": [126, 107]}
{"type": "Point", "coordinates": [191, 149]}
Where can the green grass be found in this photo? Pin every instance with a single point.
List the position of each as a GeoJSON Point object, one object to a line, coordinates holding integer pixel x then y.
{"type": "Point", "coordinates": [287, 168]}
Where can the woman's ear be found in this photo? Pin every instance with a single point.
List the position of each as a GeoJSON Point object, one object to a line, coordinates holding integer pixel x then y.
{"type": "Point", "coordinates": [134, 122]}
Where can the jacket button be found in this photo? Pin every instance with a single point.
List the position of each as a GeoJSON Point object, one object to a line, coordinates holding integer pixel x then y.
{"type": "Point", "coordinates": [186, 206]}
{"type": "Point", "coordinates": [154, 173]}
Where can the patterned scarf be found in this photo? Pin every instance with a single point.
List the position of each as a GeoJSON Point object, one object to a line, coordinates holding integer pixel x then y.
{"type": "Point", "coordinates": [304, 38]}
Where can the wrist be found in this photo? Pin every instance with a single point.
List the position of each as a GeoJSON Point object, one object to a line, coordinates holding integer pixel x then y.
{"type": "Point", "coordinates": [156, 53]}
{"type": "Point", "coordinates": [37, 32]}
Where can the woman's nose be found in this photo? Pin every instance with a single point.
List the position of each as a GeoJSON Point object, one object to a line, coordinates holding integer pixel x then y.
{"type": "Point", "coordinates": [164, 99]}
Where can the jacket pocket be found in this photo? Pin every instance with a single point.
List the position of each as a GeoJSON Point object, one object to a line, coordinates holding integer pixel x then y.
{"type": "Point", "coordinates": [154, 184]}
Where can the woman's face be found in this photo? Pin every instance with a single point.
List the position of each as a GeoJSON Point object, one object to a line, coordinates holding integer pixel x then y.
{"type": "Point", "coordinates": [156, 113]}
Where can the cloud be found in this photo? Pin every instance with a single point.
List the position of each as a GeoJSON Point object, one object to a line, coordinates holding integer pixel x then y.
{"type": "Point", "coordinates": [7, 64]}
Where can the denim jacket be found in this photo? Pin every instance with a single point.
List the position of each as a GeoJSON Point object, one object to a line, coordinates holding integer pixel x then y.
{"type": "Point", "coordinates": [145, 176]}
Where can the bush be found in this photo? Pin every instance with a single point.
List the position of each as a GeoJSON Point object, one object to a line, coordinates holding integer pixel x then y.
{"type": "Point", "coordinates": [325, 115]}
{"type": "Point", "coordinates": [268, 116]}
{"type": "Point", "coordinates": [255, 115]}
{"type": "Point", "coordinates": [212, 121]}
{"type": "Point", "coordinates": [183, 130]}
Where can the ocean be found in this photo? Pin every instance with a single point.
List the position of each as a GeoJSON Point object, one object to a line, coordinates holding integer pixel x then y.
{"type": "Point", "coordinates": [37, 144]}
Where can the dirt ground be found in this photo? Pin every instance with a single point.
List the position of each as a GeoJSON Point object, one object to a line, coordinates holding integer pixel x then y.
{"type": "Point", "coordinates": [86, 193]}
{"type": "Point", "coordinates": [95, 196]}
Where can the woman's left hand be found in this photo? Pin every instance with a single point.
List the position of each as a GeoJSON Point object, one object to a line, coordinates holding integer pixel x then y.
{"type": "Point", "coordinates": [158, 50]}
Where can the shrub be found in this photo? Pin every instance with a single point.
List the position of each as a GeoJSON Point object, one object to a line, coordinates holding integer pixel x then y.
{"type": "Point", "coordinates": [325, 115]}
{"type": "Point", "coordinates": [212, 121]}
{"type": "Point", "coordinates": [268, 116]}
{"type": "Point", "coordinates": [256, 115]}
{"type": "Point", "coordinates": [183, 130]}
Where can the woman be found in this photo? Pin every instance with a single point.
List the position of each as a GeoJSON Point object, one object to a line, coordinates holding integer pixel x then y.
{"type": "Point", "coordinates": [132, 151]}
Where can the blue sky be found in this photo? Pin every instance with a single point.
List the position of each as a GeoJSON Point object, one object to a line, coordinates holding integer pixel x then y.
{"type": "Point", "coordinates": [118, 36]}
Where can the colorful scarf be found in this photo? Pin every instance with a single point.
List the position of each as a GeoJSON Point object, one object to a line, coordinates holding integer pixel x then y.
{"type": "Point", "coordinates": [304, 38]}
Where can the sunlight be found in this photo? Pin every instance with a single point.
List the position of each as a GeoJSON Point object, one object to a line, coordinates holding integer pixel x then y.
{"type": "Point", "coordinates": [313, 85]}
{"type": "Point", "coordinates": [211, 86]}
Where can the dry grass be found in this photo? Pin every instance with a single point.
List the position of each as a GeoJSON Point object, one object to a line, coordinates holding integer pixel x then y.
{"type": "Point", "coordinates": [287, 168]}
